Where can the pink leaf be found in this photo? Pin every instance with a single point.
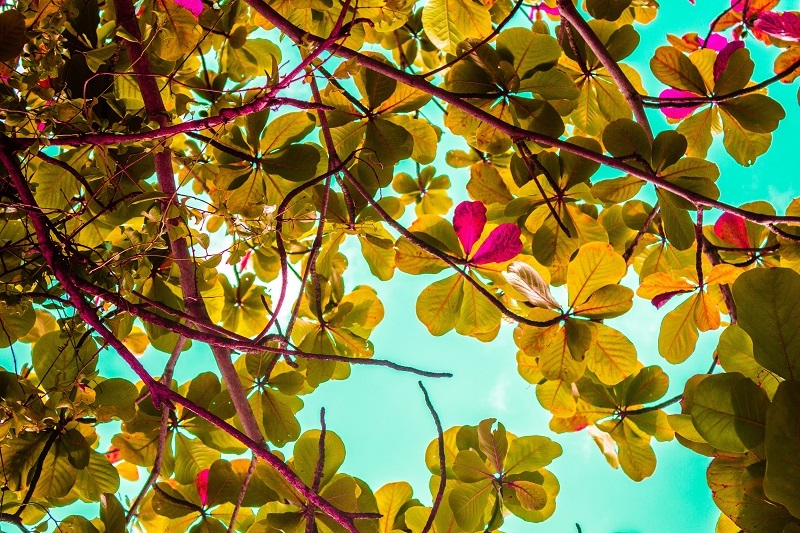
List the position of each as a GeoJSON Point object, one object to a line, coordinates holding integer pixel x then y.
{"type": "Point", "coordinates": [502, 244]}
{"type": "Point", "coordinates": [715, 42]}
{"type": "Point", "coordinates": [677, 112]}
{"type": "Point", "coordinates": [721, 63]}
{"type": "Point", "coordinates": [195, 7]}
{"type": "Point", "coordinates": [201, 484]}
{"type": "Point", "coordinates": [784, 26]}
{"type": "Point", "coordinates": [732, 229]}
{"type": "Point", "coordinates": [468, 221]}
{"type": "Point", "coordinates": [246, 258]}
{"type": "Point", "coordinates": [662, 299]}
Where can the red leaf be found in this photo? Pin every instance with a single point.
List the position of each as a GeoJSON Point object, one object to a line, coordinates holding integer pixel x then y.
{"type": "Point", "coordinates": [732, 229]}
{"type": "Point", "coordinates": [468, 221]}
{"type": "Point", "coordinates": [194, 6]}
{"type": "Point", "coordinates": [662, 299]}
{"type": "Point", "coordinates": [715, 42]}
{"type": "Point", "coordinates": [201, 484]}
{"type": "Point", "coordinates": [502, 244]}
{"type": "Point", "coordinates": [784, 26]}
{"type": "Point", "coordinates": [724, 56]}
{"type": "Point", "coordinates": [677, 112]}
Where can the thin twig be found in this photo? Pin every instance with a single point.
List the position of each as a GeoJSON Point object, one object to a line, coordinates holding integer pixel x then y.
{"type": "Point", "coordinates": [442, 462]}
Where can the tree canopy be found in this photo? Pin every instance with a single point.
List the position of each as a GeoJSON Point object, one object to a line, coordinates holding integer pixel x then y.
{"type": "Point", "coordinates": [176, 173]}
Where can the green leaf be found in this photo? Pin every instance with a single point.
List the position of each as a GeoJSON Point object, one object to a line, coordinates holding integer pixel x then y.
{"type": "Point", "coordinates": [528, 454]}
{"type": "Point", "coordinates": [468, 503]}
{"type": "Point", "coordinates": [12, 35]}
{"type": "Point", "coordinates": [768, 303]}
{"type": "Point", "coordinates": [735, 353]}
{"type": "Point", "coordinates": [678, 224]}
{"type": "Point", "coordinates": [15, 322]}
{"type": "Point", "coordinates": [624, 137]}
{"type": "Point", "coordinates": [650, 384]}
{"type": "Point", "coordinates": [730, 411]}
{"type": "Point", "coordinates": [306, 456]}
{"type": "Point", "coordinates": [673, 68]}
{"type": "Point", "coordinates": [112, 514]}
{"type": "Point", "coordinates": [280, 423]}
{"type": "Point", "coordinates": [296, 162]}
{"type": "Point", "coordinates": [97, 478]}
{"type": "Point", "coordinates": [527, 50]}
{"type": "Point", "coordinates": [607, 9]}
{"type": "Point", "coordinates": [755, 112]}
{"type": "Point", "coordinates": [783, 447]}
{"type": "Point", "coordinates": [58, 364]}
{"type": "Point", "coordinates": [470, 468]}
{"type": "Point", "coordinates": [191, 456]}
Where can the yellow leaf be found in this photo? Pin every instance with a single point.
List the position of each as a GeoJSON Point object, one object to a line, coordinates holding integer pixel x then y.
{"type": "Point", "coordinates": [678, 334]}
{"type": "Point", "coordinates": [661, 283]}
{"type": "Point", "coordinates": [606, 445]}
{"type": "Point", "coordinates": [723, 273]}
{"type": "Point", "coordinates": [448, 22]}
{"type": "Point", "coordinates": [528, 368]}
{"type": "Point", "coordinates": [390, 498]}
{"type": "Point", "coordinates": [612, 357]}
{"type": "Point", "coordinates": [556, 361]}
{"type": "Point", "coordinates": [595, 265]}
{"type": "Point", "coordinates": [556, 397]}
{"type": "Point", "coordinates": [706, 313]}
{"type": "Point", "coordinates": [477, 314]}
{"type": "Point", "coordinates": [439, 304]}
{"type": "Point", "coordinates": [136, 341]}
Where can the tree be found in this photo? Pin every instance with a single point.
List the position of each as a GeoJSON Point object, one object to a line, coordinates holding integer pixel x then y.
{"type": "Point", "coordinates": [173, 169]}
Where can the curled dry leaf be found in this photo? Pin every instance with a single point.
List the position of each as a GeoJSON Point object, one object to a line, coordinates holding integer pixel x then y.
{"type": "Point", "coordinates": [531, 285]}
{"type": "Point", "coordinates": [606, 445]}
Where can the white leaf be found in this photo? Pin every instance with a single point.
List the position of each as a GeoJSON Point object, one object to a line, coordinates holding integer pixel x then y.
{"type": "Point", "coordinates": [531, 285]}
{"type": "Point", "coordinates": [606, 445]}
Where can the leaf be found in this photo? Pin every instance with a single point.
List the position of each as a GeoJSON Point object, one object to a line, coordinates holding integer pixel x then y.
{"type": "Point", "coordinates": [502, 244]}
{"type": "Point", "coordinates": [768, 303]}
{"type": "Point", "coordinates": [486, 185]}
{"type": "Point", "coordinates": [12, 35]}
{"type": "Point", "coordinates": [673, 68]}
{"type": "Point", "coordinates": [201, 484]}
{"type": "Point", "coordinates": [606, 302]}
{"type": "Point", "coordinates": [612, 357]}
{"type": "Point", "coordinates": [280, 423]}
{"type": "Point", "coordinates": [595, 265]}
{"type": "Point", "coordinates": [529, 454]}
{"type": "Point", "coordinates": [636, 457]}
{"type": "Point", "coordinates": [16, 321]}
{"type": "Point", "coordinates": [730, 411]}
{"type": "Point", "coordinates": [755, 112]}
{"type": "Point", "coordinates": [191, 457]}
{"type": "Point", "coordinates": [783, 447]}
{"type": "Point", "coordinates": [735, 352]}
{"type": "Point", "coordinates": [306, 456]}
{"type": "Point", "coordinates": [194, 6]}
{"type": "Point", "coordinates": [606, 445]}
{"type": "Point", "coordinates": [97, 478]}
{"type": "Point", "coordinates": [556, 397]}
{"type": "Point", "coordinates": [470, 468]}
{"type": "Point", "coordinates": [469, 219]}
{"type": "Point", "coordinates": [732, 229]}
{"type": "Point", "coordinates": [468, 503]}
{"type": "Point", "coordinates": [530, 495]}
{"type": "Point", "coordinates": [477, 314]}
{"type": "Point", "coordinates": [448, 22]}
{"type": "Point", "coordinates": [390, 499]}
{"type": "Point", "coordinates": [784, 26]}
{"type": "Point", "coordinates": [439, 304]}
{"type": "Point", "coordinates": [530, 284]}
{"type": "Point", "coordinates": [744, 146]}
{"type": "Point", "coordinates": [112, 514]}
{"type": "Point", "coordinates": [650, 384]}
{"type": "Point", "coordinates": [529, 50]}
{"type": "Point", "coordinates": [678, 334]}
{"type": "Point", "coordinates": [494, 444]}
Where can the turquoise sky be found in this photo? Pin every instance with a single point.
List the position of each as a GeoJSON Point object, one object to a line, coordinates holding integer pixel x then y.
{"type": "Point", "coordinates": [381, 414]}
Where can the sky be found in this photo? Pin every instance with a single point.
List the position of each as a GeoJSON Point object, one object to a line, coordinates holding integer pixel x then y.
{"type": "Point", "coordinates": [381, 414]}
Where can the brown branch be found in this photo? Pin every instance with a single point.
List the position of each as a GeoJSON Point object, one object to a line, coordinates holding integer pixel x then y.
{"type": "Point", "coordinates": [181, 253]}
{"type": "Point", "coordinates": [653, 101]}
{"type": "Point", "coordinates": [636, 239]}
{"type": "Point", "coordinates": [298, 35]}
{"type": "Point", "coordinates": [442, 462]}
{"type": "Point", "coordinates": [163, 431]}
{"type": "Point", "coordinates": [240, 499]}
{"type": "Point", "coordinates": [569, 12]}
